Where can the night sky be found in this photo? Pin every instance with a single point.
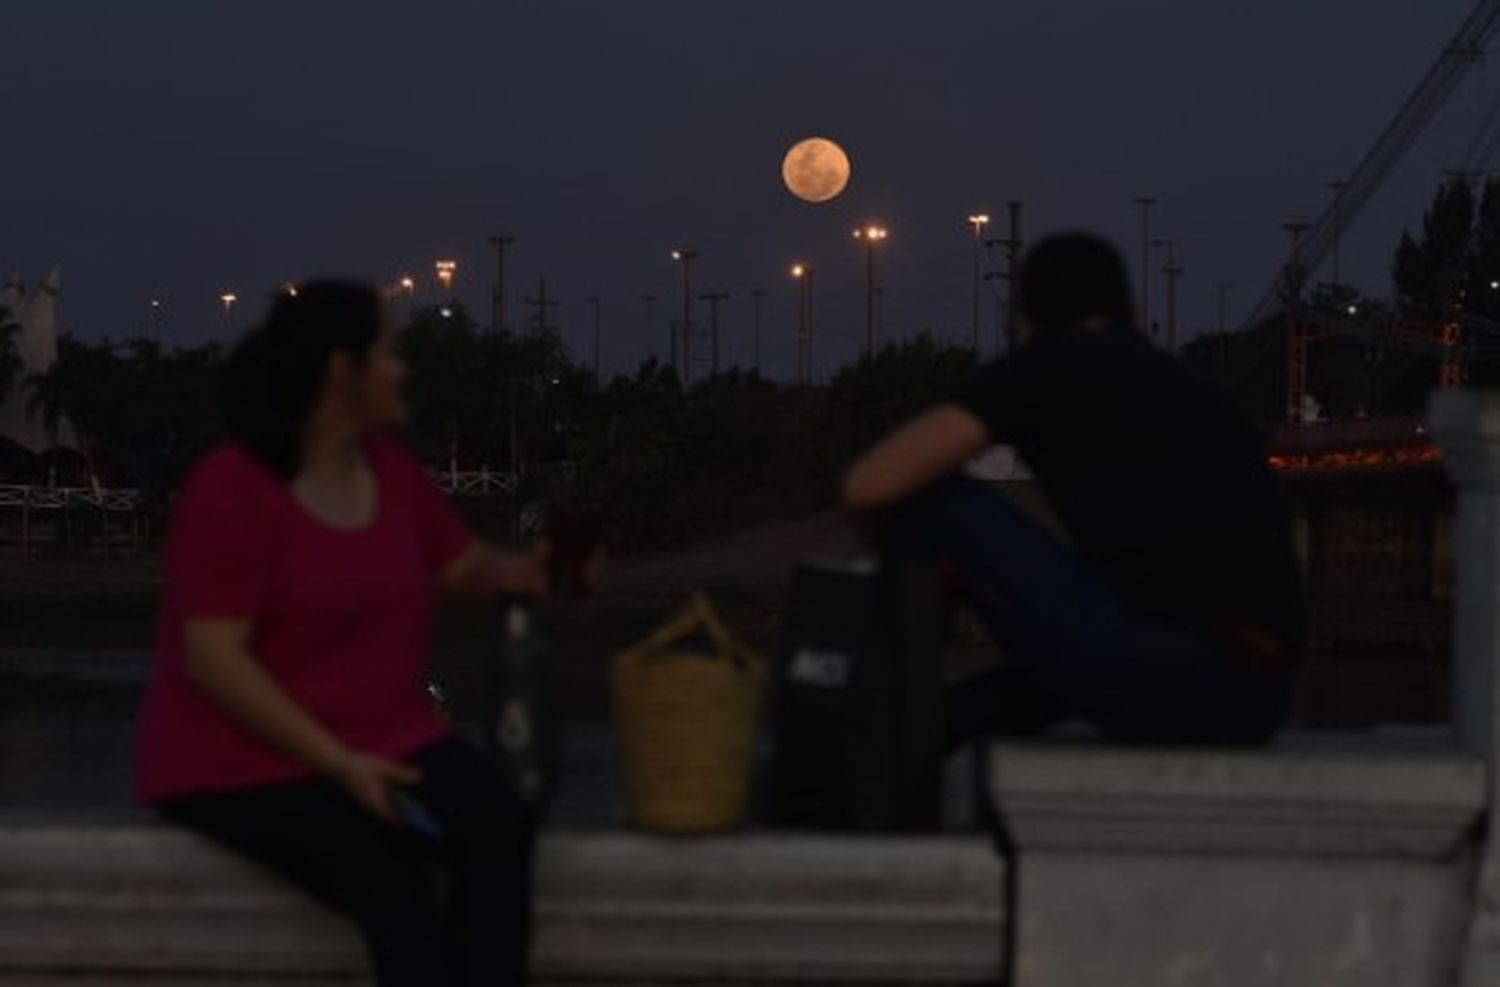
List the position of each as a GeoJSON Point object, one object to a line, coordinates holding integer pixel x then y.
{"type": "Point", "coordinates": [179, 149]}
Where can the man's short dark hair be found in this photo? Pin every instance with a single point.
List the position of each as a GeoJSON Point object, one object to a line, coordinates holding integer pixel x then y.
{"type": "Point", "coordinates": [1069, 279]}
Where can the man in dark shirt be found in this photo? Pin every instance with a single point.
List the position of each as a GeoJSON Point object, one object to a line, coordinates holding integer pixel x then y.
{"type": "Point", "coordinates": [1176, 613]}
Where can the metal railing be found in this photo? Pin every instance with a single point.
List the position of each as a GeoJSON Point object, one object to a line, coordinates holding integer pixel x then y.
{"type": "Point", "coordinates": [50, 498]}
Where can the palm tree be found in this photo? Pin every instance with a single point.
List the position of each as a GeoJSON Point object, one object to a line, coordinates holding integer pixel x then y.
{"type": "Point", "coordinates": [10, 353]}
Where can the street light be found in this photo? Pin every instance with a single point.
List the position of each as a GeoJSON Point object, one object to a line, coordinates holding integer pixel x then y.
{"type": "Point", "coordinates": [871, 235]}
{"type": "Point", "coordinates": [681, 352]}
{"type": "Point", "coordinates": [1173, 271]}
{"type": "Point", "coordinates": [804, 275]}
{"type": "Point", "coordinates": [979, 221]}
{"type": "Point", "coordinates": [229, 298]}
{"type": "Point", "coordinates": [1145, 202]}
{"type": "Point", "coordinates": [408, 284]}
{"type": "Point", "coordinates": [289, 288]}
{"type": "Point", "coordinates": [446, 269]}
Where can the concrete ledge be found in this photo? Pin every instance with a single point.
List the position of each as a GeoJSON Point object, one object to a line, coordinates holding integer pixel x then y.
{"type": "Point", "coordinates": [80, 902]}
{"type": "Point", "coordinates": [1277, 867]}
{"type": "Point", "coordinates": [1285, 801]}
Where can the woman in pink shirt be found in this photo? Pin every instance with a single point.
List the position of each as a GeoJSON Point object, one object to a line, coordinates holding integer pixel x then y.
{"type": "Point", "coordinates": [286, 717]}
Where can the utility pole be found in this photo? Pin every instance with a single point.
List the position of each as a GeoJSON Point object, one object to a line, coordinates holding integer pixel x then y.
{"type": "Point", "coordinates": [1173, 271]}
{"type": "Point", "coordinates": [714, 298]}
{"type": "Point", "coordinates": [681, 348]}
{"type": "Point", "coordinates": [1145, 202]}
{"type": "Point", "coordinates": [650, 301]}
{"type": "Point", "coordinates": [759, 298]}
{"type": "Point", "coordinates": [500, 242]}
{"type": "Point", "coordinates": [594, 300]}
{"type": "Point", "coordinates": [1012, 274]}
{"type": "Point", "coordinates": [542, 307]}
{"type": "Point", "coordinates": [1296, 342]}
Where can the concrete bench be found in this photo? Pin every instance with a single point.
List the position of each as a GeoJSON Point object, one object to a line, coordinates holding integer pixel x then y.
{"type": "Point", "coordinates": [1290, 866]}
{"type": "Point", "coordinates": [100, 902]}
{"type": "Point", "coordinates": [1364, 862]}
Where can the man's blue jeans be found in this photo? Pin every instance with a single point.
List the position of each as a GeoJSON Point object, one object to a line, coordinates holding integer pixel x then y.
{"type": "Point", "coordinates": [1073, 649]}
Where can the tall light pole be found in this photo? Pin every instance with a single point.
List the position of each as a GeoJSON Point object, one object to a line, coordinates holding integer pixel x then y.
{"type": "Point", "coordinates": [598, 308]}
{"type": "Point", "coordinates": [759, 298]}
{"type": "Point", "coordinates": [446, 270]}
{"type": "Point", "coordinates": [714, 298]}
{"type": "Point", "coordinates": [650, 301]}
{"type": "Point", "coordinates": [1145, 202]}
{"type": "Point", "coordinates": [871, 235]}
{"type": "Point", "coordinates": [1013, 245]}
{"type": "Point", "coordinates": [228, 300]}
{"type": "Point", "coordinates": [1296, 343]}
{"type": "Point", "coordinates": [804, 275]}
{"type": "Point", "coordinates": [1173, 271]}
{"type": "Point", "coordinates": [156, 307]}
{"type": "Point", "coordinates": [979, 221]}
{"type": "Point", "coordinates": [500, 243]}
{"type": "Point", "coordinates": [681, 350]}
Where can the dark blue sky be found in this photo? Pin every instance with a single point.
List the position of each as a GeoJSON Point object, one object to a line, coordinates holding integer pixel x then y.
{"type": "Point", "coordinates": [181, 148]}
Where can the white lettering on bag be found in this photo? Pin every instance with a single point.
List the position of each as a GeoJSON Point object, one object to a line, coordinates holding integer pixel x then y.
{"type": "Point", "coordinates": [825, 669]}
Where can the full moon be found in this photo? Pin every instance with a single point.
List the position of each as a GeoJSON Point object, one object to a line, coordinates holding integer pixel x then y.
{"type": "Point", "coordinates": [816, 170]}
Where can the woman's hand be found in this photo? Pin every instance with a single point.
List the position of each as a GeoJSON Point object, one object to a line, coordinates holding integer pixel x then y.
{"type": "Point", "coordinates": [368, 778]}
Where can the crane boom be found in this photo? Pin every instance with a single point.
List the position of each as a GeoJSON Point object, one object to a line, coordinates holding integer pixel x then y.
{"type": "Point", "coordinates": [1415, 114]}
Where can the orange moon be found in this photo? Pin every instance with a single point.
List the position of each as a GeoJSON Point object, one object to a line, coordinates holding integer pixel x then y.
{"type": "Point", "coordinates": [816, 170]}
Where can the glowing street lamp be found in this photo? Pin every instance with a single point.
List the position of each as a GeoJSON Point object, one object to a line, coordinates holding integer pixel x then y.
{"type": "Point", "coordinates": [804, 275]}
{"type": "Point", "coordinates": [289, 289]}
{"type": "Point", "coordinates": [871, 235]}
{"type": "Point", "coordinates": [228, 299]}
{"type": "Point", "coordinates": [979, 221]}
{"type": "Point", "coordinates": [680, 350]}
{"type": "Point", "coordinates": [407, 284]}
{"type": "Point", "coordinates": [446, 269]}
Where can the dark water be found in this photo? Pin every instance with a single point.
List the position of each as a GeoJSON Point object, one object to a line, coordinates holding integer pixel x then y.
{"type": "Point", "coordinates": [67, 724]}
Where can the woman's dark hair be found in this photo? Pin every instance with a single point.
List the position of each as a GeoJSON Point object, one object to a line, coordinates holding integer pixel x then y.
{"type": "Point", "coordinates": [276, 373]}
{"type": "Point", "coordinates": [1069, 279]}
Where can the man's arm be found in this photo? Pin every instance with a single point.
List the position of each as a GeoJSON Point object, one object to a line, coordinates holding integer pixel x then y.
{"type": "Point", "coordinates": [485, 573]}
{"type": "Point", "coordinates": [926, 449]}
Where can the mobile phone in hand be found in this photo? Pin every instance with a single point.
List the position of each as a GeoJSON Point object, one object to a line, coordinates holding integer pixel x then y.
{"type": "Point", "coordinates": [416, 815]}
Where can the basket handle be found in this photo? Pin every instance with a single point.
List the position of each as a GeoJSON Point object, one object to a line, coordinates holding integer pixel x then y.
{"type": "Point", "coordinates": [697, 614]}
{"type": "Point", "coordinates": [714, 627]}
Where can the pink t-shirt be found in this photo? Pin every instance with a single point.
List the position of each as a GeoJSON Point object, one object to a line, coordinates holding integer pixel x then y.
{"type": "Point", "coordinates": [342, 618]}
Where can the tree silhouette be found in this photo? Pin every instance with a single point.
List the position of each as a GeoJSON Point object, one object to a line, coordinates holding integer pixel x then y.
{"type": "Point", "coordinates": [1429, 273]}
{"type": "Point", "coordinates": [10, 353]}
{"type": "Point", "coordinates": [49, 398]}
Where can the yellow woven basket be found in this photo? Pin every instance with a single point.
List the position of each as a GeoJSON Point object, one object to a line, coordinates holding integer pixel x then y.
{"type": "Point", "coordinates": [687, 724]}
